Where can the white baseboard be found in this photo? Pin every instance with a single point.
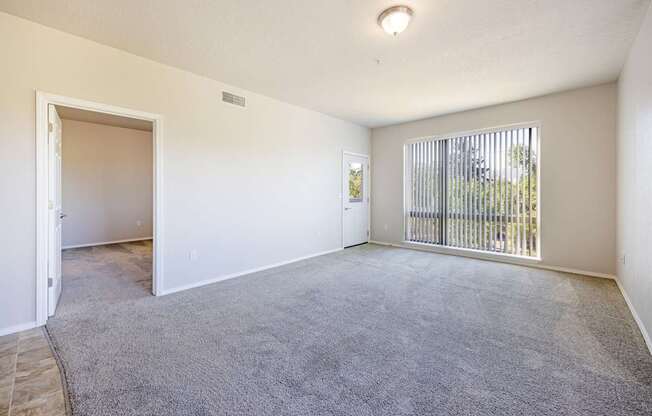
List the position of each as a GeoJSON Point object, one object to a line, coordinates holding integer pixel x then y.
{"type": "Point", "coordinates": [637, 318]}
{"type": "Point", "coordinates": [502, 259]}
{"type": "Point", "coordinates": [576, 271]}
{"type": "Point", "coordinates": [17, 328]}
{"type": "Point", "coordinates": [105, 243]}
{"type": "Point", "coordinates": [244, 272]}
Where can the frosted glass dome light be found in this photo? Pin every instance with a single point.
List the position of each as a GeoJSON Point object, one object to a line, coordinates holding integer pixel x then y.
{"type": "Point", "coordinates": [395, 19]}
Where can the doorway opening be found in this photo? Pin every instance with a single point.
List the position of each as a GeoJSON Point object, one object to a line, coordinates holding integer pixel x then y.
{"type": "Point", "coordinates": [355, 199]}
{"type": "Point", "coordinates": [98, 198]}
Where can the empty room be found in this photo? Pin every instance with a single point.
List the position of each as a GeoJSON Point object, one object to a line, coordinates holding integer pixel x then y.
{"type": "Point", "coordinates": [106, 206]}
{"type": "Point", "coordinates": [325, 207]}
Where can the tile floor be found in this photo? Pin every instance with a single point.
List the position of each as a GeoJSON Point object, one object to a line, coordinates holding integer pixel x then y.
{"type": "Point", "coordinates": [30, 382]}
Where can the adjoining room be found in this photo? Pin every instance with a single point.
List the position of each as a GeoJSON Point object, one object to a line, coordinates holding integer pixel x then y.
{"type": "Point", "coordinates": [326, 208]}
{"type": "Point", "coordinates": [107, 184]}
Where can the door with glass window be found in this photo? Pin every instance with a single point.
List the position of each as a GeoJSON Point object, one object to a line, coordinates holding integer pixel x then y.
{"type": "Point", "coordinates": [355, 204]}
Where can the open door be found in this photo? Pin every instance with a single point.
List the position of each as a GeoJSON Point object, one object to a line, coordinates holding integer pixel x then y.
{"type": "Point", "coordinates": [55, 214]}
{"type": "Point", "coordinates": [355, 203]}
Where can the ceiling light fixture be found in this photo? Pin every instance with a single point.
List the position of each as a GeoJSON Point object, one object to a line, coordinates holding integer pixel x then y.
{"type": "Point", "coordinates": [395, 19]}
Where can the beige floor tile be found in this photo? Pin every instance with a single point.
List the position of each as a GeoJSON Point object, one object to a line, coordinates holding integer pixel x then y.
{"type": "Point", "coordinates": [32, 343]}
{"type": "Point", "coordinates": [8, 348]}
{"type": "Point", "coordinates": [5, 398]}
{"type": "Point", "coordinates": [8, 338]}
{"type": "Point", "coordinates": [32, 357]}
{"type": "Point", "coordinates": [32, 388]}
{"type": "Point", "coordinates": [31, 370]}
{"type": "Point", "coordinates": [31, 333]}
{"type": "Point", "coordinates": [29, 377]}
{"type": "Point", "coordinates": [7, 365]}
{"type": "Point", "coordinates": [7, 381]}
{"type": "Point", "coordinates": [49, 405]}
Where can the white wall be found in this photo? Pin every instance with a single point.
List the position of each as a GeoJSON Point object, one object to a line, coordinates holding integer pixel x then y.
{"type": "Point", "coordinates": [578, 171]}
{"type": "Point", "coordinates": [635, 178]}
{"type": "Point", "coordinates": [243, 187]}
{"type": "Point", "coordinates": [107, 183]}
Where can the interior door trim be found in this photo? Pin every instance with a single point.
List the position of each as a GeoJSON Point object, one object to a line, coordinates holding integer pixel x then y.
{"type": "Point", "coordinates": [44, 99]}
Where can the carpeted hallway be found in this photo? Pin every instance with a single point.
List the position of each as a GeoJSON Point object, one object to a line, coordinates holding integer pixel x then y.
{"type": "Point", "coordinates": [366, 331]}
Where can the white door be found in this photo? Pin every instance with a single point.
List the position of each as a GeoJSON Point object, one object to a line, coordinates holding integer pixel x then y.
{"type": "Point", "coordinates": [54, 204]}
{"type": "Point", "coordinates": [355, 199]}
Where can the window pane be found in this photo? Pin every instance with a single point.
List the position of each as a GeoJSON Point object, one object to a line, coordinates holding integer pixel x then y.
{"type": "Point", "coordinates": [355, 182]}
{"type": "Point", "coordinates": [487, 185]}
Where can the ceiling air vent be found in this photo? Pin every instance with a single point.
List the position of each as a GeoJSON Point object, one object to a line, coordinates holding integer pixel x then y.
{"type": "Point", "coordinates": [227, 97]}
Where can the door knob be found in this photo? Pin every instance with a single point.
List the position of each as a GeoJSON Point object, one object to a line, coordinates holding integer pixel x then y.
{"type": "Point", "coordinates": [62, 216]}
{"type": "Point", "coordinates": [346, 209]}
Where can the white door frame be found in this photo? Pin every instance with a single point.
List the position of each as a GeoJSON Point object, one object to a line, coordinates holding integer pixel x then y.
{"type": "Point", "coordinates": [42, 253]}
{"type": "Point", "coordinates": [344, 192]}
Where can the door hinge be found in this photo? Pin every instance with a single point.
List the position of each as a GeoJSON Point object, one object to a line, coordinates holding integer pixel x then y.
{"type": "Point", "coordinates": [50, 127]}
{"type": "Point", "coordinates": [367, 233]}
{"type": "Point", "coordinates": [50, 282]}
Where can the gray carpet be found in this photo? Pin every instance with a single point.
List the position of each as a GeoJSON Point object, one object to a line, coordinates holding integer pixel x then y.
{"type": "Point", "coordinates": [367, 331]}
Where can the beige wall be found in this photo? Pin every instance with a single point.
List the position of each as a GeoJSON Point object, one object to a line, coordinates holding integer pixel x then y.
{"type": "Point", "coordinates": [578, 168]}
{"type": "Point", "coordinates": [635, 178]}
{"type": "Point", "coordinates": [107, 183]}
{"type": "Point", "coordinates": [244, 188]}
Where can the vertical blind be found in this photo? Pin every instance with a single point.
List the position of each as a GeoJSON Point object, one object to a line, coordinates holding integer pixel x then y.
{"type": "Point", "coordinates": [476, 191]}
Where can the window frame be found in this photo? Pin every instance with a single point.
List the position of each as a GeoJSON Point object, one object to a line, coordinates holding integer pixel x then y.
{"type": "Point", "coordinates": [362, 187]}
{"type": "Point", "coordinates": [469, 252]}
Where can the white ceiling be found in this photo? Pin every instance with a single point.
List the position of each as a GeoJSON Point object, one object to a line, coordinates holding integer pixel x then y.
{"type": "Point", "coordinates": [322, 54]}
{"type": "Point", "coordinates": [68, 113]}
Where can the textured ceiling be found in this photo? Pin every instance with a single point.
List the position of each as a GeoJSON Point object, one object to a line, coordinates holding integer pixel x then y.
{"type": "Point", "coordinates": [324, 54]}
{"type": "Point", "coordinates": [68, 113]}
